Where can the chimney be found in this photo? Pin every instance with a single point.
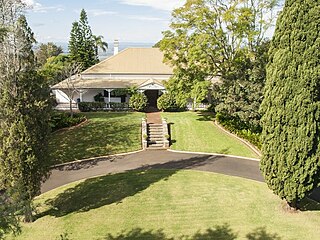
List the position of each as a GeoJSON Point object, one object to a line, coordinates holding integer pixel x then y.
{"type": "Point", "coordinates": [116, 47]}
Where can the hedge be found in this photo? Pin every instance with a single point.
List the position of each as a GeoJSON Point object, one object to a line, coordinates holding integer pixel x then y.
{"type": "Point", "coordinates": [61, 120]}
{"type": "Point", "coordinates": [239, 128]}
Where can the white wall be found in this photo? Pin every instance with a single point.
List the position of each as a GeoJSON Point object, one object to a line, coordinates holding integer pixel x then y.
{"type": "Point", "coordinates": [88, 96]}
{"type": "Point", "coordinates": [62, 97]}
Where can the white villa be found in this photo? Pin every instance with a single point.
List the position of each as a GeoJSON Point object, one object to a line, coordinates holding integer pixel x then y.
{"type": "Point", "coordinates": [139, 67]}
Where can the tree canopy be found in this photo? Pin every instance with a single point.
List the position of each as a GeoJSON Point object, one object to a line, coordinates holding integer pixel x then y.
{"type": "Point", "coordinates": [82, 46]}
{"type": "Point", "coordinates": [291, 106]}
{"type": "Point", "coordinates": [47, 50]}
{"type": "Point", "coordinates": [219, 38]}
{"type": "Point", "coordinates": [24, 96]}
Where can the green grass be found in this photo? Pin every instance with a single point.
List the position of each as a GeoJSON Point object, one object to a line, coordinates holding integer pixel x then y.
{"type": "Point", "coordinates": [104, 134]}
{"type": "Point", "coordinates": [168, 204]}
{"type": "Point", "coordinates": [196, 132]}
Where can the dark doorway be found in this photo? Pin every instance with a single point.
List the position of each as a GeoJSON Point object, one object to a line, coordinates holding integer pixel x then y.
{"type": "Point", "coordinates": [152, 96]}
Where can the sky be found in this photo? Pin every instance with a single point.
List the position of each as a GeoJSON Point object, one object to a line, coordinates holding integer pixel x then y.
{"type": "Point", "coordinates": [127, 20]}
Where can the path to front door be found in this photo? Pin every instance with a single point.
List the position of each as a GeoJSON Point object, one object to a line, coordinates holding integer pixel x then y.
{"type": "Point", "coordinates": [153, 116]}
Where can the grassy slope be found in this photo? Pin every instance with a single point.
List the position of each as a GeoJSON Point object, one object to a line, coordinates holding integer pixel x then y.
{"type": "Point", "coordinates": [106, 133]}
{"type": "Point", "coordinates": [196, 132]}
{"type": "Point", "coordinates": [166, 204]}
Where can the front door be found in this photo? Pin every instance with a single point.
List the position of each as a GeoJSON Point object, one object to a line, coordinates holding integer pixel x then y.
{"type": "Point", "coordinates": [152, 96]}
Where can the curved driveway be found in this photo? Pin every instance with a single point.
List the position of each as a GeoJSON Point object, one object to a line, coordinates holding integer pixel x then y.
{"type": "Point", "coordinates": [156, 159]}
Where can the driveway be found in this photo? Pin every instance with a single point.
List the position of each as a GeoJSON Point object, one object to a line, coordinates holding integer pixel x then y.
{"type": "Point", "coordinates": [156, 159]}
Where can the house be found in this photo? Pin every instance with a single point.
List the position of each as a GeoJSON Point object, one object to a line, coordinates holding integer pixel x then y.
{"type": "Point", "coordinates": [142, 68]}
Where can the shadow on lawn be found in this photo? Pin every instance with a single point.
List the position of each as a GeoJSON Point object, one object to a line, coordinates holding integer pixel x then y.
{"type": "Point", "coordinates": [205, 116]}
{"type": "Point", "coordinates": [101, 191]}
{"type": "Point", "coordinates": [220, 232]}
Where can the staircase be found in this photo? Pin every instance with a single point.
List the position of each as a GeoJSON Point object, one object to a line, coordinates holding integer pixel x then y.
{"type": "Point", "coordinates": [155, 136]}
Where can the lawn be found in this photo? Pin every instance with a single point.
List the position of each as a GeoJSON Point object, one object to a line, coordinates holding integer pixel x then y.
{"type": "Point", "coordinates": [104, 134]}
{"type": "Point", "coordinates": [168, 204]}
{"type": "Point", "coordinates": [196, 132]}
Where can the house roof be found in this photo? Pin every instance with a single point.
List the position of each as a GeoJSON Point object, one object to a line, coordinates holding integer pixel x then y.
{"type": "Point", "coordinates": [103, 83]}
{"type": "Point", "coordinates": [133, 61]}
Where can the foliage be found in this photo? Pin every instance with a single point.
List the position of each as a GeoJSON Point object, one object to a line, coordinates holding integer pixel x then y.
{"type": "Point", "coordinates": [91, 106]}
{"type": "Point", "coordinates": [199, 92]}
{"type": "Point", "coordinates": [82, 46]}
{"type": "Point", "coordinates": [235, 125]}
{"type": "Point", "coordinates": [25, 112]}
{"type": "Point", "coordinates": [99, 43]}
{"type": "Point", "coordinates": [166, 102]}
{"type": "Point", "coordinates": [291, 107]}
{"type": "Point", "coordinates": [119, 106]}
{"type": "Point", "coordinates": [8, 220]}
{"type": "Point", "coordinates": [138, 101]}
{"type": "Point", "coordinates": [54, 68]}
{"type": "Point", "coordinates": [98, 98]}
{"type": "Point", "coordinates": [46, 51]}
{"type": "Point", "coordinates": [61, 120]}
{"type": "Point", "coordinates": [219, 38]}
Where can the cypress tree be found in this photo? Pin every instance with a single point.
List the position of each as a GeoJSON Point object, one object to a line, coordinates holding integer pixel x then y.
{"type": "Point", "coordinates": [81, 43]}
{"type": "Point", "coordinates": [24, 125]}
{"type": "Point", "coordinates": [291, 107]}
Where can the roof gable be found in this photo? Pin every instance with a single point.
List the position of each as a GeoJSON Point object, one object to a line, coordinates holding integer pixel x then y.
{"type": "Point", "coordinates": [133, 61]}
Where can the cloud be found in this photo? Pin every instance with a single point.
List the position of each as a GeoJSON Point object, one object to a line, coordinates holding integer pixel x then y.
{"type": "Point", "coordinates": [38, 7]}
{"type": "Point", "coordinates": [167, 5]}
{"type": "Point", "coordinates": [98, 12]}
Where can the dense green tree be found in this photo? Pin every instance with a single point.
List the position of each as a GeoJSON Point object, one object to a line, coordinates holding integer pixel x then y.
{"type": "Point", "coordinates": [218, 38]}
{"type": "Point", "coordinates": [24, 114]}
{"type": "Point", "coordinates": [99, 43]}
{"type": "Point", "coordinates": [82, 46]}
{"type": "Point", "coordinates": [54, 68]}
{"type": "Point", "coordinates": [291, 107]}
{"type": "Point", "coordinates": [47, 50]}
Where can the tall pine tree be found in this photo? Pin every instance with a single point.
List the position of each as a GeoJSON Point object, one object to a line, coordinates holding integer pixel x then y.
{"type": "Point", "coordinates": [291, 107]}
{"type": "Point", "coordinates": [24, 114]}
{"type": "Point", "coordinates": [81, 44]}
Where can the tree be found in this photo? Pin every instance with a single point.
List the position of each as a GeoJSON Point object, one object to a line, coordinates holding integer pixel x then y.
{"type": "Point", "coordinates": [72, 75]}
{"type": "Point", "coordinates": [46, 51]}
{"type": "Point", "coordinates": [54, 68]}
{"type": "Point", "coordinates": [99, 43]}
{"type": "Point", "coordinates": [24, 113]}
{"type": "Point", "coordinates": [82, 47]}
{"type": "Point", "coordinates": [217, 38]}
{"type": "Point", "coordinates": [291, 107]}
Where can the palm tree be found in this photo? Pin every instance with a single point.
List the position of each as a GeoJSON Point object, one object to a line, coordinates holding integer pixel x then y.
{"type": "Point", "coordinates": [99, 43]}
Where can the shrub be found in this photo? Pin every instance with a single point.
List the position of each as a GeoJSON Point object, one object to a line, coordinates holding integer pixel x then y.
{"type": "Point", "coordinates": [119, 106]}
{"type": "Point", "coordinates": [61, 120]}
{"type": "Point", "coordinates": [165, 102]}
{"type": "Point", "coordinates": [241, 129]}
{"type": "Point", "coordinates": [138, 101]}
{"type": "Point", "coordinates": [91, 106]}
{"type": "Point", "coordinates": [98, 98]}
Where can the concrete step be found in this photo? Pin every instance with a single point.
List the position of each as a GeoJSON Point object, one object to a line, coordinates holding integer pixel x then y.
{"type": "Point", "coordinates": [155, 148]}
{"type": "Point", "coordinates": [155, 138]}
{"type": "Point", "coordinates": [155, 145]}
{"type": "Point", "coordinates": [155, 125]}
{"type": "Point", "coordinates": [155, 142]}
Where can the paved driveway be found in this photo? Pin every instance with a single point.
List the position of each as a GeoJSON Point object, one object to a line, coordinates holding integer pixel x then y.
{"type": "Point", "coordinates": [156, 159]}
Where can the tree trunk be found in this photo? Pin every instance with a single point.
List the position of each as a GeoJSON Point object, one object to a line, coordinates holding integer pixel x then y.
{"type": "Point", "coordinates": [28, 217]}
{"type": "Point", "coordinates": [71, 110]}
